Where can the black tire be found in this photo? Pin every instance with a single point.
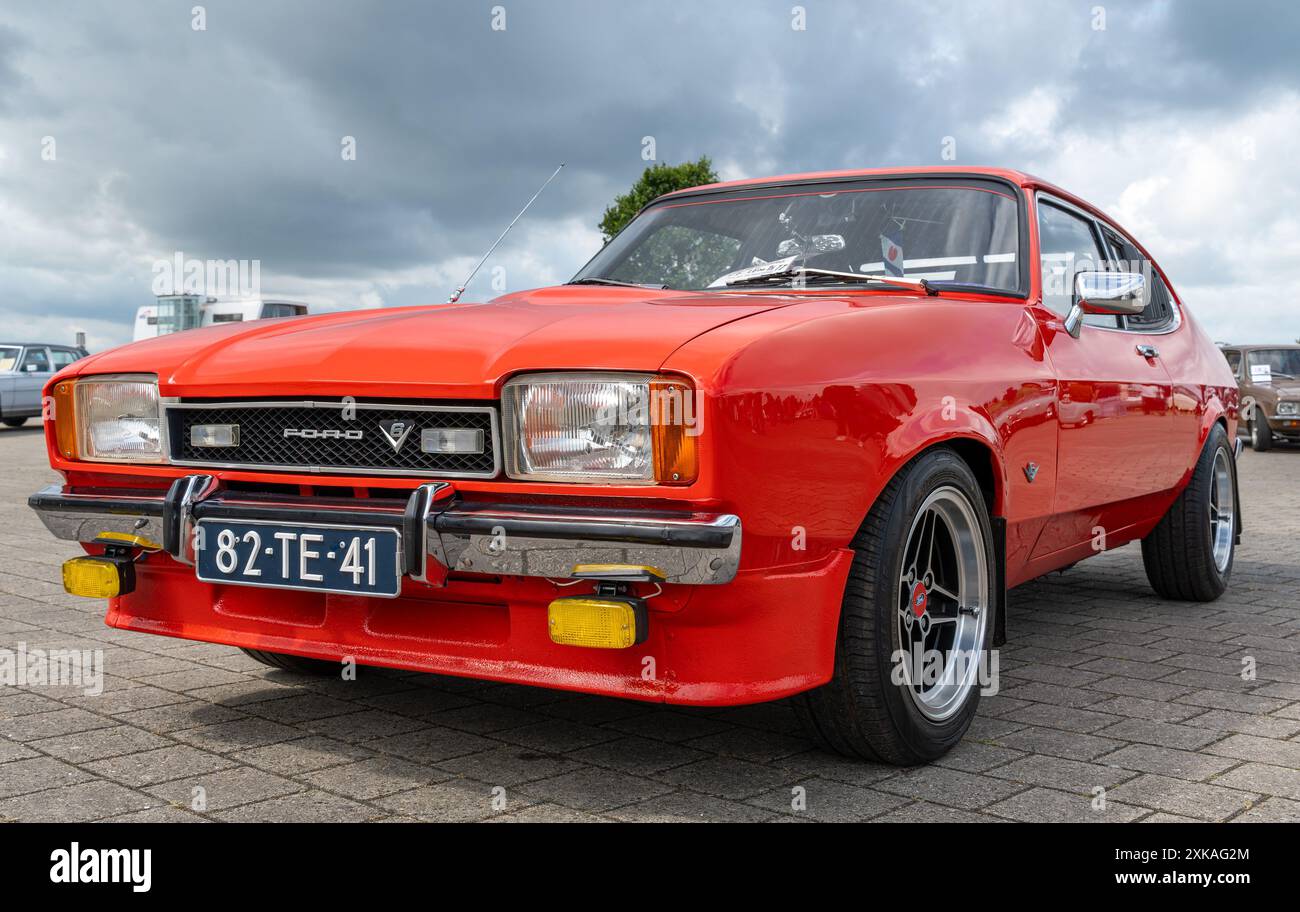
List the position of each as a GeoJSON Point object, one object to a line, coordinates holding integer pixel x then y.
{"type": "Point", "coordinates": [861, 712]}
{"type": "Point", "coordinates": [1261, 435]}
{"type": "Point", "coordinates": [14, 422]}
{"type": "Point", "coordinates": [1179, 552]}
{"type": "Point", "coordinates": [299, 664]}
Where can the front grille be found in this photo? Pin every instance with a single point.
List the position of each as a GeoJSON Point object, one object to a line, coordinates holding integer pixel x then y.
{"type": "Point", "coordinates": [263, 444]}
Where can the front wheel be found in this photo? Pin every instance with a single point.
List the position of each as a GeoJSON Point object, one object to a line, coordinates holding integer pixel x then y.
{"type": "Point", "coordinates": [1188, 556]}
{"type": "Point", "coordinates": [295, 663]}
{"type": "Point", "coordinates": [14, 422]}
{"type": "Point", "coordinates": [915, 620]}
{"type": "Point", "coordinates": [1261, 435]}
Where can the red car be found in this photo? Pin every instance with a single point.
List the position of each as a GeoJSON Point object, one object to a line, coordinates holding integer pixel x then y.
{"type": "Point", "coordinates": [791, 436]}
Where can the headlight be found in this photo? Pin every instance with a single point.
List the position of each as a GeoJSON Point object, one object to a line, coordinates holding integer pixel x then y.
{"type": "Point", "coordinates": [1288, 408]}
{"type": "Point", "coordinates": [117, 419]}
{"type": "Point", "coordinates": [594, 427]}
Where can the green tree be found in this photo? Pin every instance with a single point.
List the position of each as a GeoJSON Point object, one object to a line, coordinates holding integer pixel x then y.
{"type": "Point", "coordinates": [655, 181]}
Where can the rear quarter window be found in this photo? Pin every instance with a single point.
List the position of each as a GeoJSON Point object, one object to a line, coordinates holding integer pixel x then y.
{"type": "Point", "coordinates": [1126, 257]}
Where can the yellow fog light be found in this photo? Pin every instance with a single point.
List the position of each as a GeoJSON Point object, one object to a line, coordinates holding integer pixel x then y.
{"type": "Point", "coordinates": [98, 577]}
{"type": "Point", "coordinates": [607, 622]}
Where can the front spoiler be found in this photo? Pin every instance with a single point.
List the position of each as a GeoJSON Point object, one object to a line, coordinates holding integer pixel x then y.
{"type": "Point", "coordinates": [440, 532]}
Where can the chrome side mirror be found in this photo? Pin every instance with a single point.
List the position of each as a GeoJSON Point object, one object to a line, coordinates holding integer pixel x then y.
{"type": "Point", "coordinates": [1106, 293]}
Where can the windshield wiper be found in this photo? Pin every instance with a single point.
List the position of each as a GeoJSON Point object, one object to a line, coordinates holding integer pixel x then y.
{"type": "Point", "coordinates": [808, 272]}
{"type": "Point", "coordinates": [596, 280]}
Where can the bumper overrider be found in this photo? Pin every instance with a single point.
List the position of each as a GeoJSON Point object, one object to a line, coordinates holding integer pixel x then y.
{"type": "Point", "coordinates": [440, 533]}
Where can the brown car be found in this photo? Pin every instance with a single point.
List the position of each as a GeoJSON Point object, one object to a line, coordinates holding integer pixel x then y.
{"type": "Point", "coordinates": [1269, 378]}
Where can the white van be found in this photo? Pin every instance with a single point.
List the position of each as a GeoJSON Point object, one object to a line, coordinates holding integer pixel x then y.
{"type": "Point", "coordinates": [173, 313]}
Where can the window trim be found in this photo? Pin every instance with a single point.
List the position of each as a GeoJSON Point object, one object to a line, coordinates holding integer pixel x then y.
{"type": "Point", "coordinates": [1175, 322]}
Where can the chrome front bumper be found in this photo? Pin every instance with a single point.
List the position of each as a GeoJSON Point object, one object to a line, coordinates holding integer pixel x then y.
{"type": "Point", "coordinates": [436, 526]}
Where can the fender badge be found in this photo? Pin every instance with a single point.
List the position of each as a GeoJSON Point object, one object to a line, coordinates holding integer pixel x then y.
{"type": "Point", "coordinates": [396, 431]}
{"type": "Point", "coordinates": [1031, 471]}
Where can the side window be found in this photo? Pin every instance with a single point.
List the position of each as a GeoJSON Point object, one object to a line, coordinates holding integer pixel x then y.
{"type": "Point", "coordinates": [62, 357]}
{"type": "Point", "coordinates": [35, 361]}
{"type": "Point", "coordinates": [281, 310]}
{"type": "Point", "coordinates": [1159, 311]}
{"type": "Point", "coordinates": [1234, 361]}
{"type": "Point", "coordinates": [1067, 247]}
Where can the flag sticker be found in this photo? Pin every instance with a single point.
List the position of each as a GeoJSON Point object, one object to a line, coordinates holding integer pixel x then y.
{"type": "Point", "coordinates": [892, 255]}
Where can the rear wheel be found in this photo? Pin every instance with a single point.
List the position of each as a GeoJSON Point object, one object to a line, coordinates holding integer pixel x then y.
{"type": "Point", "coordinates": [14, 422]}
{"type": "Point", "coordinates": [1261, 436]}
{"type": "Point", "coordinates": [920, 591]}
{"type": "Point", "coordinates": [1188, 556]}
{"type": "Point", "coordinates": [299, 664]}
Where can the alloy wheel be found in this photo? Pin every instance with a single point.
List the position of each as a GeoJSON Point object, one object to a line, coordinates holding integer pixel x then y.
{"type": "Point", "coordinates": [1223, 510]}
{"type": "Point", "coordinates": [943, 602]}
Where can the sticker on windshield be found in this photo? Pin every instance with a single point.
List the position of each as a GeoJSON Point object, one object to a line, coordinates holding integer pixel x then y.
{"type": "Point", "coordinates": [776, 267]}
{"type": "Point", "coordinates": [893, 256]}
{"type": "Point", "coordinates": [1261, 373]}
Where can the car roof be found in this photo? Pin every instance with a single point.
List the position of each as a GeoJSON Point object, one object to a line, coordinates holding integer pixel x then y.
{"type": "Point", "coordinates": [40, 345]}
{"type": "Point", "coordinates": [1020, 179]}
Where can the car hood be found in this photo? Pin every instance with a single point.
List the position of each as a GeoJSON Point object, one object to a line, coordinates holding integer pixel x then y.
{"type": "Point", "coordinates": [442, 351]}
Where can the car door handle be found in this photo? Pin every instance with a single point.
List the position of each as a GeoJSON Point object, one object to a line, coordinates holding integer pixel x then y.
{"type": "Point", "coordinates": [1148, 351]}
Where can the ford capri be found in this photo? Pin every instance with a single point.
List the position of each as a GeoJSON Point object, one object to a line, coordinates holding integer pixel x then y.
{"type": "Point", "coordinates": [796, 437]}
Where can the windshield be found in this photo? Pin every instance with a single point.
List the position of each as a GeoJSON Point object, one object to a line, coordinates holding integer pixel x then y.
{"type": "Point", "coordinates": [1284, 361]}
{"type": "Point", "coordinates": [8, 359]}
{"type": "Point", "coordinates": [960, 234]}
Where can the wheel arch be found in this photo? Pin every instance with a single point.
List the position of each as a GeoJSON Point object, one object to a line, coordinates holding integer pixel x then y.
{"type": "Point", "coordinates": [1214, 413]}
{"type": "Point", "coordinates": [985, 465]}
{"type": "Point", "coordinates": [967, 433]}
{"type": "Point", "coordinates": [978, 449]}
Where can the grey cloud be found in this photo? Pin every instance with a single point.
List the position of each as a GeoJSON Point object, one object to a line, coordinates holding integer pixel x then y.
{"type": "Point", "coordinates": [225, 143]}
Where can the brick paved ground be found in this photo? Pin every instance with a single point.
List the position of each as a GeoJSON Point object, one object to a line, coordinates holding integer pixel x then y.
{"type": "Point", "coordinates": [1103, 686]}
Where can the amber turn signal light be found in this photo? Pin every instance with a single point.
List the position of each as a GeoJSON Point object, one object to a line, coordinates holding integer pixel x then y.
{"type": "Point", "coordinates": [64, 416]}
{"type": "Point", "coordinates": [127, 539]}
{"type": "Point", "coordinates": [628, 573]}
{"type": "Point", "coordinates": [675, 423]}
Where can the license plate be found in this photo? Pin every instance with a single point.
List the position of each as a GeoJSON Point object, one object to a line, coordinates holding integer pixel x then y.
{"type": "Point", "coordinates": [322, 558]}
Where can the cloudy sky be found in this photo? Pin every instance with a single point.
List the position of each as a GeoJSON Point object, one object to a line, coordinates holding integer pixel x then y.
{"type": "Point", "coordinates": [128, 134]}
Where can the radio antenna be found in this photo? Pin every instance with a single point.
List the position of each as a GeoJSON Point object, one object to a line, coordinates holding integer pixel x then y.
{"type": "Point", "coordinates": [455, 295]}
